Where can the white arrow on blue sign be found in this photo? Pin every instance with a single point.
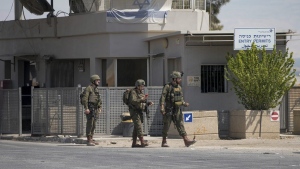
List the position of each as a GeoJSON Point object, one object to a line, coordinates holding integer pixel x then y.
{"type": "Point", "coordinates": [188, 117]}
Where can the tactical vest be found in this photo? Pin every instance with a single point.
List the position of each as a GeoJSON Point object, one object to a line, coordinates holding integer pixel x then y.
{"type": "Point", "coordinates": [94, 96]}
{"type": "Point", "coordinates": [139, 96]}
{"type": "Point", "coordinates": [175, 94]}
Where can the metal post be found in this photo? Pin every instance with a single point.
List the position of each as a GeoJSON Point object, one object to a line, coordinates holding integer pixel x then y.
{"type": "Point", "coordinates": [60, 117]}
{"type": "Point", "coordinates": [1, 112]}
{"type": "Point", "coordinates": [20, 112]}
{"type": "Point", "coordinates": [82, 119]}
{"type": "Point", "coordinates": [148, 71]}
{"type": "Point", "coordinates": [31, 119]}
{"type": "Point", "coordinates": [52, 4]}
{"type": "Point", "coordinates": [18, 10]}
{"type": "Point", "coordinates": [210, 14]}
{"type": "Point", "coordinates": [107, 112]}
{"type": "Point", "coordinates": [116, 72]}
{"type": "Point", "coordinates": [145, 117]}
{"type": "Point", "coordinates": [77, 111]}
{"type": "Point", "coordinates": [47, 112]}
{"type": "Point", "coordinates": [193, 4]}
{"type": "Point", "coordinates": [8, 110]}
{"type": "Point", "coordinates": [80, 114]}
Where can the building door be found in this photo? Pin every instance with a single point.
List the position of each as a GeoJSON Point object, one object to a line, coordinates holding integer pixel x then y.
{"type": "Point", "coordinates": [130, 70]}
{"type": "Point", "coordinates": [62, 73]}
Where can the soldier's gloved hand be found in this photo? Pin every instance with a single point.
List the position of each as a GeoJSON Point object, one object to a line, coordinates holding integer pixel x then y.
{"type": "Point", "coordinates": [150, 103]}
{"type": "Point", "coordinates": [99, 110]}
{"type": "Point", "coordinates": [143, 100]}
{"type": "Point", "coordinates": [162, 110]}
{"type": "Point", "coordinates": [185, 104]}
{"type": "Point", "coordinates": [87, 111]}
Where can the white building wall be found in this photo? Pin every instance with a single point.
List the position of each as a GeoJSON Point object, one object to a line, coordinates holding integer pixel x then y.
{"type": "Point", "coordinates": [178, 19]}
{"type": "Point", "coordinates": [211, 55]}
{"type": "Point", "coordinates": [85, 36]}
{"type": "Point", "coordinates": [128, 45]}
{"type": "Point", "coordinates": [196, 56]}
{"type": "Point", "coordinates": [157, 57]}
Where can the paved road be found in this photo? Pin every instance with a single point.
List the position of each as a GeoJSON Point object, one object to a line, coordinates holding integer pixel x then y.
{"type": "Point", "coordinates": [30, 155]}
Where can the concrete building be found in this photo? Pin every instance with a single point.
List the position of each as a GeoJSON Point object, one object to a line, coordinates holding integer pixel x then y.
{"type": "Point", "coordinates": [123, 40]}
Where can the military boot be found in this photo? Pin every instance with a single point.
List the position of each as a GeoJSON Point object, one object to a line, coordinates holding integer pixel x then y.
{"type": "Point", "coordinates": [89, 141]}
{"type": "Point", "coordinates": [188, 142]}
{"type": "Point", "coordinates": [164, 142]}
{"type": "Point", "coordinates": [143, 143]}
{"type": "Point", "coordinates": [94, 141]}
{"type": "Point", "coordinates": [134, 139]}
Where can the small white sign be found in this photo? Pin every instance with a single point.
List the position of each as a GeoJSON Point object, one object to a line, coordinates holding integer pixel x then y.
{"type": "Point", "coordinates": [193, 81]}
{"type": "Point", "coordinates": [262, 37]}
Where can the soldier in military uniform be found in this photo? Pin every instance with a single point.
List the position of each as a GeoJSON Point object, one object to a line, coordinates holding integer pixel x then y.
{"type": "Point", "coordinates": [171, 101]}
{"type": "Point", "coordinates": [92, 107]}
{"type": "Point", "coordinates": [138, 103]}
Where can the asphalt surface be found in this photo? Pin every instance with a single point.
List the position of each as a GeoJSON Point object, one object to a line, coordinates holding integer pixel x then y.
{"type": "Point", "coordinates": [115, 152]}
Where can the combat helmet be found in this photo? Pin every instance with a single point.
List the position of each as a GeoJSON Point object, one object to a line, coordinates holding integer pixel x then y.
{"type": "Point", "coordinates": [139, 82]}
{"type": "Point", "coordinates": [94, 77]}
{"type": "Point", "coordinates": [175, 74]}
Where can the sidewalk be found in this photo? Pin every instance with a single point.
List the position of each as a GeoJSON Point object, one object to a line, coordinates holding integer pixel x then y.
{"type": "Point", "coordinates": [286, 142]}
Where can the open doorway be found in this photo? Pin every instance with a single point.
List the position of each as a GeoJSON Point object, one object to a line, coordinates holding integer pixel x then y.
{"type": "Point", "coordinates": [130, 70]}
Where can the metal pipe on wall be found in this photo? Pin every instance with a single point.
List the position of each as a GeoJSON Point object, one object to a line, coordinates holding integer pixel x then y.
{"type": "Point", "coordinates": [18, 10]}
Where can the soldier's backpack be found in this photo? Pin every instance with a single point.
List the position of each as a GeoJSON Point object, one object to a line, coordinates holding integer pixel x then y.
{"type": "Point", "coordinates": [126, 96]}
{"type": "Point", "coordinates": [81, 96]}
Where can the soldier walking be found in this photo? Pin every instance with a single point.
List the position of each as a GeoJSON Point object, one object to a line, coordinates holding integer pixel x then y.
{"type": "Point", "coordinates": [137, 104]}
{"type": "Point", "coordinates": [171, 101]}
{"type": "Point", "coordinates": [92, 107]}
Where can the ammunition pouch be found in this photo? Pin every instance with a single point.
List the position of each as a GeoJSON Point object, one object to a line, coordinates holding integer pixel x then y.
{"type": "Point", "coordinates": [178, 104]}
{"type": "Point", "coordinates": [169, 111]}
{"type": "Point", "coordinates": [93, 108]}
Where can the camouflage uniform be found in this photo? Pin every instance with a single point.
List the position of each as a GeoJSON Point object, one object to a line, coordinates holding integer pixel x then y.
{"type": "Point", "coordinates": [170, 101]}
{"type": "Point", "coordinates": [136, 108]}
{"type": "Point", "coordinates": [137, 104]}
{"type": "Point", "coordinates": [172, 97]}
{"type": "Point", "coordinates": [93, 102]}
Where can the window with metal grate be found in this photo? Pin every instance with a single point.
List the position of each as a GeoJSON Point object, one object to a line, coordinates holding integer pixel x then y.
{"type": "Point", "coordinates": [213, 79]}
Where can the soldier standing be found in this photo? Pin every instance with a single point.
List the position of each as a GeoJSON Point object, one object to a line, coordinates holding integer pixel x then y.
{"type": "Point", "coordinates": [138, 103]}
{"type": "Point", "coordinates": [92, 107]}
{"type": "Point", "coordinates": [170, 101]}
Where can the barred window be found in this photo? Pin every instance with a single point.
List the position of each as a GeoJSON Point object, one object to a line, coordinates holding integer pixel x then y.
{"type": "Point", "coordinates": [188, 4]}
{"type": "Point", "coordinates": [213, 79]}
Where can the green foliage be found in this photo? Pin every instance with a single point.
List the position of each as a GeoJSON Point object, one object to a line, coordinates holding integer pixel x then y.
{"type": "Point", "coordinates": [260, 79]}
{"type": "Point", "coordinates": [213, 8]}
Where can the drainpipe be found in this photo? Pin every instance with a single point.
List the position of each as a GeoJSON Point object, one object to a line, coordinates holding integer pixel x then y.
{"type": "Point", "coordinates": [18, 10]}
{"type": "Point", "coordinates": [209, 14]}
{"type": "Point", "coordinates": [193, 5]}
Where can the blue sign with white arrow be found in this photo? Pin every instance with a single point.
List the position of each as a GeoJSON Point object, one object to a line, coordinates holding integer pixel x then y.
{"type": "Point", "coordinates": [188, 117]}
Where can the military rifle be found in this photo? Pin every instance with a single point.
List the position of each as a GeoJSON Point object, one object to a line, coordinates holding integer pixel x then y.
{"type": "Point", "coordinates": [147, 107]}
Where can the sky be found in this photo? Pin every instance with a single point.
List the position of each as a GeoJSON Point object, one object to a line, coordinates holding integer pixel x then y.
{"type": "Point", "coordinates": [279, 14]}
